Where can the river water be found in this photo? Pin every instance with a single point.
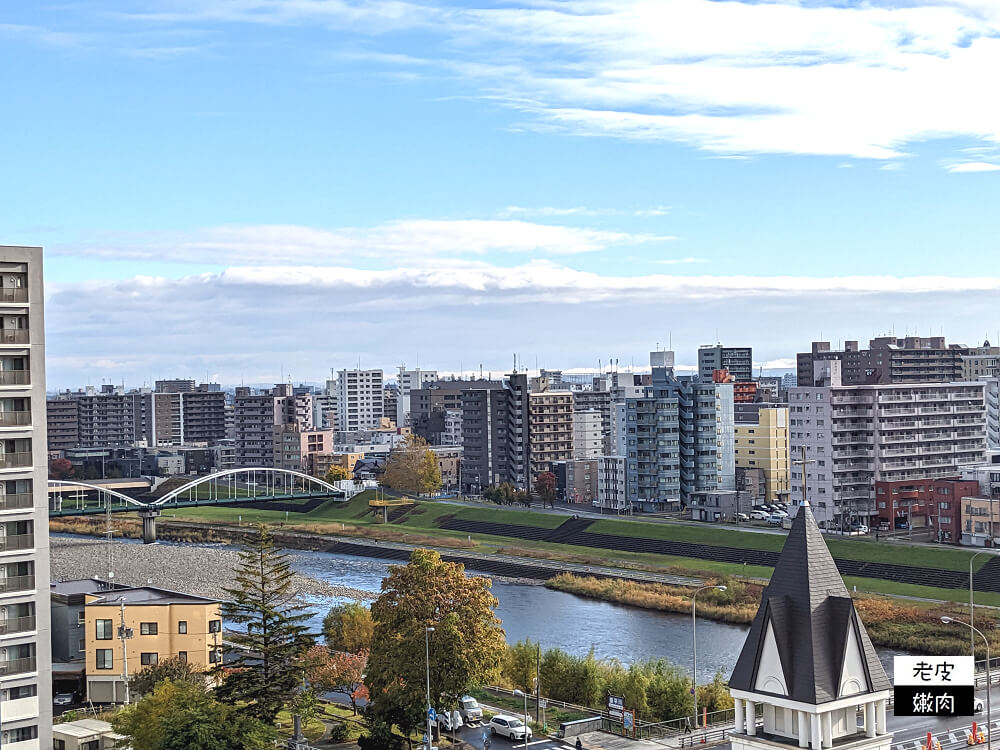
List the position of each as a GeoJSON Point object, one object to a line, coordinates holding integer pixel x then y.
{"type": "Point", "coordinates": [554, 618]}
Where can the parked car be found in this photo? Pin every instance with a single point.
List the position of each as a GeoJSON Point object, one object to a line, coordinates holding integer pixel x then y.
{"type": "Point", "coordinates": [759, 515]}
{"type": "Point", "coordinates": [742, 517]}
{"type": "Point", "coordinates": [470, 709]}
{"type": "Point", "coordinates": [510, 727]}
{"type": "Point", "coordinates": [64, 699]}
{"type": "Point", "coordinates": [978, 705]}
{"type": "Point", "coordinates": [860, 528]}
{"type": "Point", "coordinates": [777, 518]}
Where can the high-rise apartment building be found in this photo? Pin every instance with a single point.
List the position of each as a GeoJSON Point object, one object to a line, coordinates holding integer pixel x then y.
{"type": "Point", "coordinates": [854, 436]}
{"type": "Point", "coordinates": [112, 417]}
{"type": "Point", "coordinates": [679, 440]}
{"type": "Point", "coordinates": [588, 434]}
{"type": "Point", "coordinates": [763, 444]}
{"type": "Point", "coordinates": [407, 381]}
{"type": "Point", "coordinates": [25, 641]}
{"type": "Point", "coordinates": [550, 430]}
{"type": "Point", "coordinates": [495, 425]}
{"type": "Point", "coordinates": [887, 359]}
{"type": "Point", "coordinates": [436, 409]}
{"type": "Point", "coordinates": [259, 417]}
{"type": "Point", "coordinates": [982, 362]}
{"type": "Point", "coordinates": [598, 399]}
{"type": "Point", "coordinates": [359, 400]}
{"type": "Point", "coordinates": [991, 396]}
{"type": "Point", "coordinates": [737, 359]}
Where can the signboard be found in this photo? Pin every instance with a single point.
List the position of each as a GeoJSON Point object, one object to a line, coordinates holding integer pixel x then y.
{"type": "Point", "coordinates": [628, 722]}
{"type": "Point", "coordinates": [432, 714]}
{"type": "Point", "coordinates": [934, 686]}
{"type": "Point", "coordinates": [616, 705]}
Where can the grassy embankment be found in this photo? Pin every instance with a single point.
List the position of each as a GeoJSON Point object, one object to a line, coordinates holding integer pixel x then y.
{"type": "Point", "coordinates": [910, 626]}
{"type": "Point", "coordinates": [420, 525]}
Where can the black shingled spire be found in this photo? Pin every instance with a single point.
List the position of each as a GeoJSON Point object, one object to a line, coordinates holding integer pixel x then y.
{"type": "Point", "coordinates": [811, 613]}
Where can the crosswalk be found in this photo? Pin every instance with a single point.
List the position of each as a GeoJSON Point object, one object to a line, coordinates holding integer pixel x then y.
{"type": "Point", "coordinates": [957, 737]}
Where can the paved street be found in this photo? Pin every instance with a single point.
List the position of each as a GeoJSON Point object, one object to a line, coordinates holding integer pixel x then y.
{"type": "Point", "coordinates": [474, 736]}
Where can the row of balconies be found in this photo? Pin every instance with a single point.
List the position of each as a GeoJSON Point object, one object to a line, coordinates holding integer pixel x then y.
{"type": "Point", "coordinates": [18, 666]}
{"type": "Point", "coordinates": [11, 542]}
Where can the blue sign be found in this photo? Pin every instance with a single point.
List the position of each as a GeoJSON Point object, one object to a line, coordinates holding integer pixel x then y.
{"type": "Point", "coordinates": [432, 714]}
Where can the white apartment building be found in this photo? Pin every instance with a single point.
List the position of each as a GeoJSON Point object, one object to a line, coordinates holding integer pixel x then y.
{"type": "Point", "coordinates": [856, 435]}
{"type": "Point", "coordinates": [452, 432]}
{"type": "Point", "coordinates": [611, 483]}
{"type": "Point", "coordinates": [991, 393]}
{"type": "Point", "coordinates": [406, 381]}
{"type": "Point", "coordinates": [359, 400]}
{"type": "Point", "coordinates": [588, 437]}
{"type": "Point", "coordinates": [25, 641]}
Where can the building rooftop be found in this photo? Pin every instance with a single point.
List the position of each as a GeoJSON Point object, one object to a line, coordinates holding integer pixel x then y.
{"type": "Point", "coordinates": [133, 595]}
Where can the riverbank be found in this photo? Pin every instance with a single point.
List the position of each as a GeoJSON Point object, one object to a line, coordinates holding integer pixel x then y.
{"type": "Point", "coordinates": [203, 570]}
{"type": "Point", "coordinates": [906, 626]}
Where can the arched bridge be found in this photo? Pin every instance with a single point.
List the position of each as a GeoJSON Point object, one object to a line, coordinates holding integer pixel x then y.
{"type": "Point", "coordinates": [69, 497]}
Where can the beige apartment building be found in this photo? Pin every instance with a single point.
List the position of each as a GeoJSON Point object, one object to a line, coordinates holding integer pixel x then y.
{"type": "Point", "coordinates": [25, 648]}
{"type": "Point", "coordinates": [162, 624]}
{"type": "Point", "coordinates": [854, 436]}
{"type": "Point", "coordinates": [764, 445]}
{"type": "Point", "coordinates": [550, 430]}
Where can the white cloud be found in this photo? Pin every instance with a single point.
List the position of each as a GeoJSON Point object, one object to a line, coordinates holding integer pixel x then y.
{"type": "Point", "coordinates": [408, 240]}
{"type": "Point", "coordinates": [254, 322]}
{"type": "Point", "coordinates": [583, 211]}
{"type": "Point", "coordinates": [680, 261]}
{"type": "Point", "coordinates": [974, 166]}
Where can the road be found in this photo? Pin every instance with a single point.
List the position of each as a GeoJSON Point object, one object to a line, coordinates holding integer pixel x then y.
{"type": "Point", "coordinates": [474, 736]}
{"type": "Point", "coordinates": [910, 732]}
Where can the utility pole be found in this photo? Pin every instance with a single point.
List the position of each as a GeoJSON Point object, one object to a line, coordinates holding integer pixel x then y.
{"type": "Point", "coordinates": [538, 675]}
{"type": "Point", "coordinates": [802, 462]}
{"type": "Point", "coordinates": [124, 634]}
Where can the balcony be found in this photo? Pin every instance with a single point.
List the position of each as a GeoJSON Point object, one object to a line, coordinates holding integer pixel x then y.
{"type": "Point", "coordinates": [13, 294]}
{"type": "Point", "coordinates": [17, 501]}
{"type": "Point", "coordinates": [12, 625]}
{"type": "Point", "coordinates": [16, 542]}
{"type": "Point", "coordinates": [15, 377]}
{"type": "Point", "coordinates": [13, 584]}
{"type": "Point", "coordinates": [15, 418]}
{"type": "Point", "coordinates": [15, 460]}
{"type": "Point", "coordinates": [18, 666]}
{"type": "Point", "coordinates": [15, 336]}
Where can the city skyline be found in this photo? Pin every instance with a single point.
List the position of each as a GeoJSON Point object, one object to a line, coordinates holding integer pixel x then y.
{"type": "Point", "coordinates": [524, 174]}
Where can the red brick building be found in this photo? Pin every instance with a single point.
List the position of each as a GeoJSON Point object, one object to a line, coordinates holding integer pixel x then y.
{"type": "Point", "coordinates": [931, 504]}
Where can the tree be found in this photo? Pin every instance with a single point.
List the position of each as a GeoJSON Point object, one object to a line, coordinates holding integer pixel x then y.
{"type": "Point", "coordinates": [501, 494]}
{"type": "Point", "coordinates": [263, 670]}
{"type": "Point", "coordinates": [348, 627]}
{"type": "Point", "coordinates": [146, 679]}
{"type": "Point", "coordinates": [337, 672]}
{"type": "Point", "coordinates": [60, 468]}
{"type": "Point", "coordinates": [337, 474]}
{"type": "Point", "coordinates": [412, 467]}
{"type": "Point", "coordinates": [466, 647]}
{"type": "Point", "coordinates": [184, 716]}
{"type": "Point", "coordinates": [545, 488]}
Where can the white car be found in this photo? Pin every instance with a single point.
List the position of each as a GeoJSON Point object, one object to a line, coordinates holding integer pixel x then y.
{"type": "Point", "coordinates": [777, 518]}
{"type": "Point", "coordinates": [510, 727]}
{"type": "Point", "coordinates": [978, 706]}
{"type": "Point", "coordinates": [470, 709]}
{"type": "Point", "coordinates": [758, 515]}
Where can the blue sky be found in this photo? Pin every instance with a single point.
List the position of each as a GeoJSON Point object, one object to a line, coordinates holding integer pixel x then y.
{"type": "Point", "coordinates": [240, 188]}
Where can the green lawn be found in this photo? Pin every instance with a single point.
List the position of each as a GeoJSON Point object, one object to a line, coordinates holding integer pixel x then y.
{"type": "Point", "coordinates": [941, 558]}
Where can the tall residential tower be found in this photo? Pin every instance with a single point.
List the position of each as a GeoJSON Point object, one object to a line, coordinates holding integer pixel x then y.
{"type": "Point", "coordinates": [25, 646]}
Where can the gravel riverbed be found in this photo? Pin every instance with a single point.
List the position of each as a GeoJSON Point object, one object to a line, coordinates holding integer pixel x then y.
{"type": "Point", "coordinates": [202, 569]}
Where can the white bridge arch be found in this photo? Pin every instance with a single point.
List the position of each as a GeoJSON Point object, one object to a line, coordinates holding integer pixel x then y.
{"type": "Point", "coordinates": [271, 488]}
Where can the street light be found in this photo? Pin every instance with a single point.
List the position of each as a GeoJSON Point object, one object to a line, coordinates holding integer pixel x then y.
{"type": "Point", "coordinates": [694, 646]}
{"type": "Point", "coordinates": [972, 611]}
{"type": "Point", "coordinates": [427, 653]}
{"type": "Point", "coordinates": [521, 693]}
{"type": "Point", "coordinates": [989, 714]}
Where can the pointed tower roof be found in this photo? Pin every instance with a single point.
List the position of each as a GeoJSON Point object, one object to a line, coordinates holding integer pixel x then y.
{"type": "Point", "coordinates": [807, 642]}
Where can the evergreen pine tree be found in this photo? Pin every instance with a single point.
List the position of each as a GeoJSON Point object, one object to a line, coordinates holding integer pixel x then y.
{"type": "Point", "coordinates": [263, 671]}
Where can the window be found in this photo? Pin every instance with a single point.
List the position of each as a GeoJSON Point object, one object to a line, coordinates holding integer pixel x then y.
{"type": "Point", "coordinates": [16, 693]}
{"type": "Point", "coordinates": [148, 659]}
{"type": "Point", "coordinates": [81, 617]}
{"type": "Point", "coordinates": [59, 744]}
{"type": "Point", "coordinates": [92, 745]}
{"type": "Point", "coordinates": [148, 628]}
{"type": "Point", "coordinates": [182, 657]}
{"type": "Point", "coordinates": [83, 645]}
{"type": "Point", "coordinates": [104, 630]}
{"type": "Point", "coordinates": [182, 627]}
{"type": "Point", "coordinates": [213, 657]}
{"type": "Point", "coordinates": [104, 659]}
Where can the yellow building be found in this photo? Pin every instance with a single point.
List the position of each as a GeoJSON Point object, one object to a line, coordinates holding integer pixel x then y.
{"type": "Point", "coordinates": [764, 446]}
{"type": "Point", "coordinates": [163, 624]}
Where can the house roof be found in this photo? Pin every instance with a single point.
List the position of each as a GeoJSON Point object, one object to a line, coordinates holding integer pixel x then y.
{"type": "Point", "coordinates": [808, 612]}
